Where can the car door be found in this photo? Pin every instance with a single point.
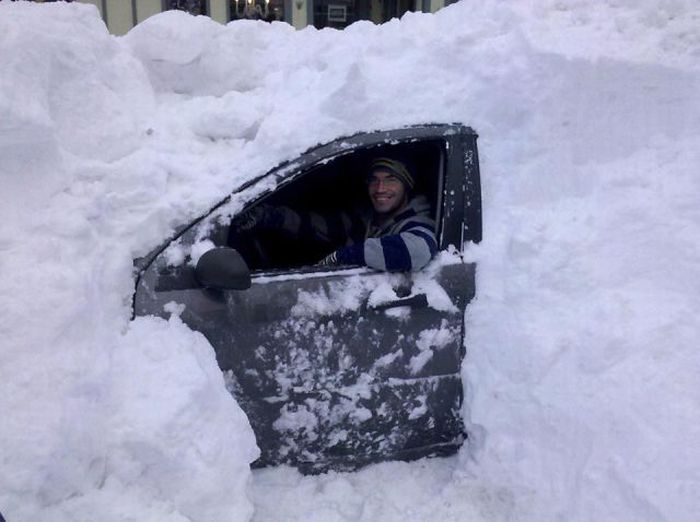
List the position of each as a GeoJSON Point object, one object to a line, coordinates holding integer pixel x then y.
{"type": "Point", "coordinates": [339, 367]}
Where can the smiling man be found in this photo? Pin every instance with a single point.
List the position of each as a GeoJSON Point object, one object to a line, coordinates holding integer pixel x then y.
{"type": "Point", "coordinates": [400, 233]}
{"type": "Point", "coordinates": [396, 235]}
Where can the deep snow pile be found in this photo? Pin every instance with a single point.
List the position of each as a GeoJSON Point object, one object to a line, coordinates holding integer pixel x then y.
{"type": "Point", "coordinates": [581, 375]}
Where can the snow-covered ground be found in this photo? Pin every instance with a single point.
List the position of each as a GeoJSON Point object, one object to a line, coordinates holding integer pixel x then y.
{"type": "Point", "coordinates": [582, 365]}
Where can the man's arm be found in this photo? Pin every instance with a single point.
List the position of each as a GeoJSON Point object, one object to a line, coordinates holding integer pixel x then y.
{"type": "Point", "coordinates": [410, 249]}
{"type": "Point", "coordinates": [333, 229]}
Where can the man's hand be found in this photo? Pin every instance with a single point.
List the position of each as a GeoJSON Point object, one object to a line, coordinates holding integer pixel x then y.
{"type": "Point", "coordinates": [264, 216]}
{"type": "Point", "coordinates": [330, 260]}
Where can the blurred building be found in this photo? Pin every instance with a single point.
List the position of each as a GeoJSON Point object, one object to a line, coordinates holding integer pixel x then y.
{"type": "Point", "coordinates": [122, 15]}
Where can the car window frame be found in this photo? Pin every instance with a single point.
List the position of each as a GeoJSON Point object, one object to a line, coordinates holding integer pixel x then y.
{"type": "Point", "coordinates": [459, 141]}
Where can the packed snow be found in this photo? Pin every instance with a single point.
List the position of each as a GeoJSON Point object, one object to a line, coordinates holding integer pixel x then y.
{"type": "Point", "coordinates": [581, 375]}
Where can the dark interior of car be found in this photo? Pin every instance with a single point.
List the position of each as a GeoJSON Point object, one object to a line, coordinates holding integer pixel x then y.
{"type": "Point", "coordinates": [339, 185]}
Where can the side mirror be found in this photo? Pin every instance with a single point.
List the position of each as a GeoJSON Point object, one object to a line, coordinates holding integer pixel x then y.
{"type": "Point", "coordinates": [223, 269]}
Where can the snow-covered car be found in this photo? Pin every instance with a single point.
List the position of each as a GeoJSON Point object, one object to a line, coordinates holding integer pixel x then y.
{"type": "Point", "coordinates": [336, 367]}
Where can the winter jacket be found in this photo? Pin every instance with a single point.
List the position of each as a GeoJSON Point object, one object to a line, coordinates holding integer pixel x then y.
{"type": "Point", "coordinates": [406, 242]}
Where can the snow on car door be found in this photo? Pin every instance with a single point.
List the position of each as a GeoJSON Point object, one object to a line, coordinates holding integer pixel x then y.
{"type": "Point", "coordinates": [336, 369]}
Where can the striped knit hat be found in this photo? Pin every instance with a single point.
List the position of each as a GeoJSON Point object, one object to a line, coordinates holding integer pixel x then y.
{"type": "Point", "coordinates": [396, 167]}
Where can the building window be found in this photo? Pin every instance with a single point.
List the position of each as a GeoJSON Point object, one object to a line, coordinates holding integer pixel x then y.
{"type": "Point", "coordinates": [267, 10]}
{"type": "Point", "coordinates": [341, 13]}
{"type": "Point", "coordinates": [338, 13]}
{"type": "Point", "coordinates": [194, 7]}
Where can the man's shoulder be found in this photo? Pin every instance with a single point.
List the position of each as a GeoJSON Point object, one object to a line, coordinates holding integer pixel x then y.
{"type": "Point", "coordinates": [420, 204]}
{"type": "Point", "coordinates": [418, 207]}
{"type": "Point", "coordinates": [418, 214]}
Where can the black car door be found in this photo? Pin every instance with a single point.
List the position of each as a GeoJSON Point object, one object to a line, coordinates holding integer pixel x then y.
{"type": "Point", "coordinates": [340, 367]}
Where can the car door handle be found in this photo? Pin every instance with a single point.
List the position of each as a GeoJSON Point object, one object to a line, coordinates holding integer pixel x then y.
{"type": "Point", "coordinates": [415, 301]}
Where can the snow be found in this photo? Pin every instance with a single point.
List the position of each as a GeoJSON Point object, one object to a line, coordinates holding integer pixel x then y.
{"type": "Point", "coordinates": [581, 371]}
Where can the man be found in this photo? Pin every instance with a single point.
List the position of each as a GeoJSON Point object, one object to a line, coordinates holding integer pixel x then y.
{"type": "Point", "coordinates": [398, 234]}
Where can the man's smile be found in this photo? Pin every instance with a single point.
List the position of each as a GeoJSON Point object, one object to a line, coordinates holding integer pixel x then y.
{"type": "Point", "coordinates": [386, 192]}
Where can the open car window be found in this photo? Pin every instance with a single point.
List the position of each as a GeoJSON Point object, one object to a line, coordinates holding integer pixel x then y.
{"type": "Point", "coordinates": [331, 192]}
{"type": "Point", "coordinates": [332, 178]}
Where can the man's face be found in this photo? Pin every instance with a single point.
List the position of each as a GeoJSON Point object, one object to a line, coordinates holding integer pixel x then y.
{"type": "Point", "coordinates": [386, 192]}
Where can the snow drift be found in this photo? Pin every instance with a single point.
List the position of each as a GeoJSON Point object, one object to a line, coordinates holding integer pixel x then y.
{"type": "Point", "coordinates": [581, 370]}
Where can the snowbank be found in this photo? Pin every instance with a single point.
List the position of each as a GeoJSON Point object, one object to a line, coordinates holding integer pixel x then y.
{"type": "Point", "coordinates": [581, 369]}
{"type": "Point", "coordinates": [102, 419]}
